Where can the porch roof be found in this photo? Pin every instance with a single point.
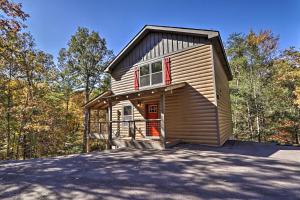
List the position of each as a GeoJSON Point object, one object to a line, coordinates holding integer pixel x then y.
{"type": "Point", "coordinates": [102, 100]}
{"type": "Point", "coordinates": [95, 100]}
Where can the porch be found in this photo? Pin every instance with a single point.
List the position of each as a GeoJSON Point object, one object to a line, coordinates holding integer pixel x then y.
{"type": "Point", "coordinates": [143, 127]}
{"type": "Point", "coordinates": [131, 133]}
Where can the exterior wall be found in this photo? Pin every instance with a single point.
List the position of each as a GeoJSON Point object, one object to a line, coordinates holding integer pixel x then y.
{"type": "Point", "coordinates": [152, 46]}
{"type": "Point", "coordinates": [138, 114]}
{"type": "Point", "coordinates": [223, 101]}
{"type": "Point", "coordinates": [118, 115]}
{"type": "Point", "coordinates": [191, 111]}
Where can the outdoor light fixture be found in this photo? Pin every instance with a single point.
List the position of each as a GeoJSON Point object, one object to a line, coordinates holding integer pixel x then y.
{"type": "Point", "coordinates": [104, 101]}
{"type": "Point", "coordinates": [139, 104]}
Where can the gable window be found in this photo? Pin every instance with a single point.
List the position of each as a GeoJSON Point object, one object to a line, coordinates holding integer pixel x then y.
{"type": "Point", "coordinates": [151, 74]}
{"type": "Point", "coordinates": [127, 114]}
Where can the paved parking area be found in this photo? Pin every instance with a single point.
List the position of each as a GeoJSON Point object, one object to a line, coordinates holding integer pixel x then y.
{"type": "Point", "coordinates": [239, 170]}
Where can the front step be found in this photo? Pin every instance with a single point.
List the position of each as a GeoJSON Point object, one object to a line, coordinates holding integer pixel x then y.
{"type": "Point", "coordinates": [138, 144]}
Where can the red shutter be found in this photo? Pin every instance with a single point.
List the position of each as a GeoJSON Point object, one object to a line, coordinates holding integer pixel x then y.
{"type": "Point", "coordinates": [167, 71]}
{"type": "Point", "coordinates": [136, 78]}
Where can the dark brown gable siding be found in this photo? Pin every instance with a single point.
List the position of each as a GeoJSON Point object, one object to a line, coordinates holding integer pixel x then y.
{"type": "Point", "coordinates": [154, 45]}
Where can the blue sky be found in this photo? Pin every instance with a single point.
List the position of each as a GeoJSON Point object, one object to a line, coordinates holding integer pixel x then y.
{"type": "Point", "coordinates": [52, 22]}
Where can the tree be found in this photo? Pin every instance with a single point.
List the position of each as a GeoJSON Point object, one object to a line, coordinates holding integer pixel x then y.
{"type": "Point", "coordinates": [251, 58]}
{"type": "Point", "coordinates": [86, 58]}
{"type": "Point", "coordinates": [40, 103]}
{"type": "Point", "coordinates": [286, 94]}
{"type": "Point", "coordinates": [265, 89]}
{"type": "Point", "coordinates": [11, 21]}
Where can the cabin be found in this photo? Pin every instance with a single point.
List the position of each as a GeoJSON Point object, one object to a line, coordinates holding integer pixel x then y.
{"type": "Point", "coordinates": [169, 85]}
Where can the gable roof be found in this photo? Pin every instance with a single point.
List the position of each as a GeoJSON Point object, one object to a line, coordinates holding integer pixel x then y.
{"type": "Point", "coordinates": [212, 35]}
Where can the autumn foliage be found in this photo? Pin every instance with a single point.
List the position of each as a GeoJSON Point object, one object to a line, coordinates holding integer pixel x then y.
{"type": "Point", "coordinates": [41, 111]}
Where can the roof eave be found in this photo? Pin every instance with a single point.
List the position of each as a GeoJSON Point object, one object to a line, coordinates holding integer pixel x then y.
{"type": "Point", "coordinates": [94, 100]}
{"type": "Point", "coordinates": [148, 28]}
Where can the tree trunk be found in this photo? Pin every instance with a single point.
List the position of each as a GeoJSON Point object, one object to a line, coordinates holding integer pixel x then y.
{"type": "Point", "coordinates": [14, 145]}
{"type": "Point", "coordinates": [257, 122]}
{"type": "Point", "coordinates": [67, 104]}
{"type": "Point", "coordinates": [234, 113]}
{"type": "Point", "coordinates": [257, 116]}
{"type": "Point", "coordinates": [250, 121]}
{"type": "Point", "coordinates": [86, 118]}
{"type": "Point", "coordinates": [8, 117]}
{"type": "Point", "coordinates": [254, 96]}
{"type": "Point", "coordinates": [24, 147]}
{"type": "Point", "coordinates": [297, 126]}
{"type": "Point", "coordinates": [86, 130]}
{"type": "Point", "coordinates": [22, 133]}
{"type": "Point", "coordinates": [296, 134]}
{"type": "Point", "coordinates": [67, 132]}
{"type": "Point", "coordinates": [258, 128]}
{"type": "Point", "coordinates": [18, 148]}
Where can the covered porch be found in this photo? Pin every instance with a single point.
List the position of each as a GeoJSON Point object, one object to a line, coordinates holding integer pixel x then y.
{"type": "Point", "coordinates": [143, 126]}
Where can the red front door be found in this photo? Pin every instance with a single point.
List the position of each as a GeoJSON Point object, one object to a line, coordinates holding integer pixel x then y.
{"type": "Point", "coordinates": [152, 126]}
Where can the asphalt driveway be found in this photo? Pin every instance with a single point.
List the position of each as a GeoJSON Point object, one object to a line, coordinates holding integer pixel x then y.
{"type": "Point", "coordinates": [239, 170]}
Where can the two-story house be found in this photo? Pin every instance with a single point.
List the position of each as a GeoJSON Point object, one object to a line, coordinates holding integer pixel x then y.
{"type": "Point", "coordinates": [168, 85]}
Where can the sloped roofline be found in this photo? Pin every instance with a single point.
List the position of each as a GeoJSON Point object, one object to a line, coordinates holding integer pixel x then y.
{"type": "Point", "coordinates": [210, 34]}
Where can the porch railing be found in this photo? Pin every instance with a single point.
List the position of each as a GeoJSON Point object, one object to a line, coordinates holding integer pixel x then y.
{"type": "Point", "coordinates": [148, 128]}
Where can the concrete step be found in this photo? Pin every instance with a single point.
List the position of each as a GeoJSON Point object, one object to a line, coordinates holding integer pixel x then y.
{"type": "Point", "coordinates": [138, 144]}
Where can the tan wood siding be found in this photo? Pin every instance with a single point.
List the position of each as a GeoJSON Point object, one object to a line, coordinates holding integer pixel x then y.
{"type": "Point", "coordinates": [152, 46]}
{"type": "Point", "coordinates": [117, 114]}
{"type": "Point", "coordinates": [191, 111]}
{"type": "Point", "coordinates": [223, 101]}
{"type": "Point", "coordinates": [138, 114]}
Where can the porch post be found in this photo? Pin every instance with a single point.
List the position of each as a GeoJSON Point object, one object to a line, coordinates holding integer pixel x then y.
{"type": "Point", "coordinates": [98, 125]}
{"type": "Point", "coordinates": [162, 119]}
{"type": "Point", "coordinates": [110, 125]}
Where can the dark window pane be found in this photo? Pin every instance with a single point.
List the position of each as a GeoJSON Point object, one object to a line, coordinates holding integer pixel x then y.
{"type": "Point", "coordinates": [145, 80]}
{"type": "Point", "coordinates": [127, 115]}
{"type": "Point", "coordinates": [156, 67]}
{"type": "Point", "coordinates": [157, 78]}
{"type": "Point", "coordinates": [144, 70]}
{"type": "Point", "coordinates": [127, 110]}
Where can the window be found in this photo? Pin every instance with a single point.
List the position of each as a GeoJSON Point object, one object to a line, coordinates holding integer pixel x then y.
{"type": "Point", "coordinates": [151, 74]}
{"type": "Point", "coordinates": [152, 109]}
{"type": "Point", "coordinates": [156, 72]}
{"type": "Point", "coordinates": [127, 114]}
{"type": "Point", "coordinates": [144, 75]}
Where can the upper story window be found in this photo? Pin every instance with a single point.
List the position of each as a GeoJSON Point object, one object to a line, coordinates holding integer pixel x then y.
{"type": "Point", "coordinates": [151, 74]}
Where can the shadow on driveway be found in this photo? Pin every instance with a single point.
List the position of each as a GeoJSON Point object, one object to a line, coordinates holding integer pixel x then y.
{"type": "Point", "coordinates": [184, 172]}
{"type": "Point", "coordinates": [270, 150]}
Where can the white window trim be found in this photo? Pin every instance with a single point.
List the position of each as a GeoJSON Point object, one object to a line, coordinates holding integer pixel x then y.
{"type": "Point", "coordinates": [150, 73]}
{"type": "Point", "coordinates": [132, 113]}
{"type": "Point", "coordinates": [156, 107]}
